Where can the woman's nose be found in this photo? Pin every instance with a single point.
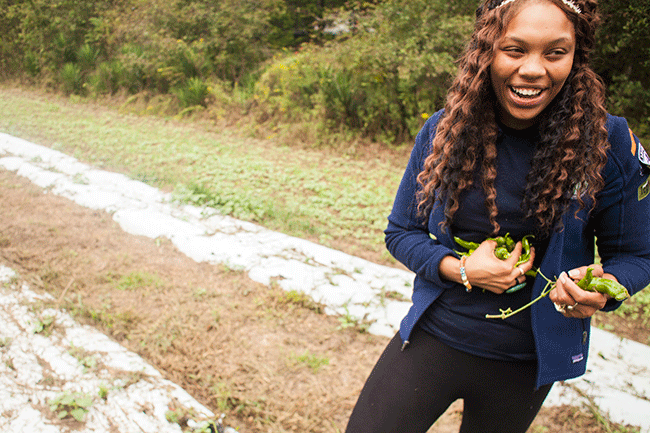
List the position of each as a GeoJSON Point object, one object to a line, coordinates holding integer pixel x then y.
{"type": "Point", "coordinates": [532, 67]}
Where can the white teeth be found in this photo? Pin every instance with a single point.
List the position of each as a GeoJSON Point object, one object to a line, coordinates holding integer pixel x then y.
{"type": "Point", "coordinates": [526, 92]}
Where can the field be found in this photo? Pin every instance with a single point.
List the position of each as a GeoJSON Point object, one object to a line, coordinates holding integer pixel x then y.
{"type": "Point", "coordinates": [271, 360]}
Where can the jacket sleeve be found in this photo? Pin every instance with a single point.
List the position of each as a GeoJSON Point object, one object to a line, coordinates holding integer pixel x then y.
{"type": "Point", "coordinates": [407, 234]}
{"type": "Point", "coordinates": [622, 215]}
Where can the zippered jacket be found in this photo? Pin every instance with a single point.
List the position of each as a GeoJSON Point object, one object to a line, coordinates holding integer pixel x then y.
{"type": "Point", "coordinates": [620, 223]}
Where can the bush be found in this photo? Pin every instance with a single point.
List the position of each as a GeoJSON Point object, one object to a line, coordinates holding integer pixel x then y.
{"type": "Point", "coordinates": [71, 79]}
{"type": "Point", "coordinates": [106, 79]}
{"type": "Point", "coordinates": [622, 58]}
{"type": "Point", "coordinates": [193, 93]}
{"type": "Point", "coordinates": [378, 82]}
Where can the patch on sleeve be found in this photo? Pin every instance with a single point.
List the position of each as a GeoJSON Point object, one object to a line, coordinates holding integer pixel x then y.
{"type": "Point", "coordinates": [643, 157]}
{"type": "Point", "coordinates": [633, 142]}
{"type": "Point", "coordinates": [577, 358]}
{"type": "Point", "coordinates": [644, 189]}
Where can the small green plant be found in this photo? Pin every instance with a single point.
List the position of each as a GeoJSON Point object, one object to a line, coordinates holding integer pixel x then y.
{"type": "Point", "coordinates": [302, 300]}
{"type": "Point", "coordinates": [80, 179]}
{"type": "Point", "coordinates": [314, 362]}
{"type": "Point", "coordinates": [87, 56]}
{"type": "Point", "coordinates": [200, 292]}
{"type": "Point", "coordinates": [85, 358]}
{"type": "Point", "coordinates": [348, 321]}
{"type": "Point", "coordinates": [206, 427]}
{"type": "Point", "coordinates": [44, 325]}
{"type": "Point", "coordinates": [75, 405]}
{"type": "Point", "coordinates": [71, 79]}
{"type": "Point", "coordinates": [138, 280]}
{"type": "Point", "coordinates": [194, 92]}
{"type": "Point", "coordinates": [103, 392]}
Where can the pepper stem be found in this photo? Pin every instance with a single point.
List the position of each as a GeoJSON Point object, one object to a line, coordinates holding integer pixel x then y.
{"type": "Point", "coordinates": [550, 285]}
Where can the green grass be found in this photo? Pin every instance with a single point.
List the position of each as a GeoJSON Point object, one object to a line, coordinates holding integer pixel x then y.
{"type": "Point", "coordinates": [317, 194]}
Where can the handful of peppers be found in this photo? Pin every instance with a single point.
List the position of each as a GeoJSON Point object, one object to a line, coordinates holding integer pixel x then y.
{"type": "Point", "coordinates": [588, 282]}
{"type": "Point", "coordinates": [505, 246]}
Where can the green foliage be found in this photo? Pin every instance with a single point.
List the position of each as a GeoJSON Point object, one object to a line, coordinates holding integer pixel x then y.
{"type": "Point", "coordinates": [44, 325]}
{"type": "Point", "coordinates": [138, 280]}
{"type": "Point", "coordinates": [637, 307]}
{"type": "Point", "coordinates": [388, 68]}
{"type": "Point", "coordinates": [381, 93]}
{"type": "Point", "coordinates": [194, 92]}
{"type": "Point", "coordinates": [106, 79]}
{"type": "Point", "coordinates": [87, 56]}
{"type": "Point", "coordinates": [314, 362]}
{"type": "Point", "coordinates": [71, 78]}
{"type": "Point", "coordinates": [622, 58]}
{"type": "Point", "coordinates": [68, 404]}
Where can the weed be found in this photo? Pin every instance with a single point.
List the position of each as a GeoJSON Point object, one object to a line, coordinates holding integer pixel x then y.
{"type": "Point", "coordinates": [200, 292]}
{"type": "Point", "coordinates": [302, 300]}
{"type": "Point", "coordinates": [138, 280]}
{"type": "Point", "coordinates": [103, 392]}
{"type": "Point", "coordinates": [67, 404]}
{"type": "Point", "coordinates": [393, 294]}
{"type": "Point", "coordinates": [5, 342]}
{"type": "Point", "coordinates": [222, 393]}
{"type": "Point", "coordinates": [193, 93]}
{"type": "Point", "coordinates": [80, 179]}
{"type": "Point", "coordinates": [637, 307]}
{"type": "Point", "coordinates": [44, 325]}
{"type": "Point", "coordinates": [348, 321]}
{"type": "Point", "coordinates": [314, 362]}
{"type": "Point", "coordinates": [71, 78]}
{"type": "Point", "coordinates": [599, 416]}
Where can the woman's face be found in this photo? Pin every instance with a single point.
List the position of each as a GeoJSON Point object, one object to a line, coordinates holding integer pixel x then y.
{"type": "Point", "coordinates": [532, 60]}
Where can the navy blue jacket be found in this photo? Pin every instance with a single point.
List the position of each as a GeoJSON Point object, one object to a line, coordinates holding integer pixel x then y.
{"type": "Point", "coordinates": [620, 223]}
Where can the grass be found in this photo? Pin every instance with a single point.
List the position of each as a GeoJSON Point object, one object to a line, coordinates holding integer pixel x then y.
{"type": "Point", "coordinates": [327, 197]}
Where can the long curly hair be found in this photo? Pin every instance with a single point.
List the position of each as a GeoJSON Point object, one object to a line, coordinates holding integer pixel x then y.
{"type": "Point", "coordinates": [572, 128]}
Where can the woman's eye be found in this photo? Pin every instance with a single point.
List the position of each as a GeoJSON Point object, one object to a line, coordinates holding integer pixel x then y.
{"type": "Point", "coordinates": [557, 53]}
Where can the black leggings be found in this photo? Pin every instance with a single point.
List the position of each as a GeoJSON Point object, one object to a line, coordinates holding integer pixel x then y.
{"type": "Point", "coordinates": [409, 390]}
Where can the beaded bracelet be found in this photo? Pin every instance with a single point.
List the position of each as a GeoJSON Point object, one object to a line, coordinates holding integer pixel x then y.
{"type": "Point", "coordinates": [463, 275]}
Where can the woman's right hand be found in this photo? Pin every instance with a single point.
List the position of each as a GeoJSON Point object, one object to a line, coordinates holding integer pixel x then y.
{"type": "Point", "coordinates": [488, 272]}
{"type": "Point", "coordinates": [484, 270]}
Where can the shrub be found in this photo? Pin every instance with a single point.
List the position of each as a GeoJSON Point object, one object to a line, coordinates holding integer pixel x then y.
{"type": "Point", "coordinates": [87, 56]}
{"type": "Point", "coordinates": [194, 92]}
{"type": "Point", "coordinates": [377, 82]}
{"type": "Point", "coordinates": [106, 78]}
{"type": "Point", "coordinates": [71, 79]}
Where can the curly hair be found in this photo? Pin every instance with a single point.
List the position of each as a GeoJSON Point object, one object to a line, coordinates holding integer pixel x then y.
{"type": "Point", "coordinates": [572, 128]}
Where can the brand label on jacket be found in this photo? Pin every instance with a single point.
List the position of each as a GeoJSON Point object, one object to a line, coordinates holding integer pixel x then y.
{"type": "Point", "coordinates": [644, 189]}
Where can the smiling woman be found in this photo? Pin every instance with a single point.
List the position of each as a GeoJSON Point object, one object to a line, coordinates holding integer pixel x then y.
{"type": "Point", "coordinates": [531, 63]}
{"type": "Point", "coordinates": [524, 147]}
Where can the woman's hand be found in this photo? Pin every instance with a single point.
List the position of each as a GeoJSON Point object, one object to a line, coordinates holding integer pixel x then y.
{"type": "Point", "coordinates": [484, 270]}
{"type": "Point", "coordinates": [571, 300]}
{"type": "Point", "coordinates": [488, 272]}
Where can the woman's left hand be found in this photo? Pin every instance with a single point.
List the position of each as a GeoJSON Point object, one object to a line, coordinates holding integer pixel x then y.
{"type": "Point", "coordinates": [571, 300]}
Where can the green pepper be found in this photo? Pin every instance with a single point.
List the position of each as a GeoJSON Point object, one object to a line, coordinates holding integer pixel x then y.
{"type": "Point", "coordinates": [510, 243]}
{"type": "Point", "coordinates": [609, 287]}
{"type": "Point", "coordinates": [470, 246]}
{"type": "Point", "coordinates": [525, 243]}
{"type": "Point", "coordinates": [584, 282]}
{"type": "Point", "coordinates": [501, 252]}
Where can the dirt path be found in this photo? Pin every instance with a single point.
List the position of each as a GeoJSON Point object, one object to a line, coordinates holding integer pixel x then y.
{"type": "Point", "coordinates": [270, 359]}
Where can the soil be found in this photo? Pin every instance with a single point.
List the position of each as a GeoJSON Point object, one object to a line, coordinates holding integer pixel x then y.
{"type": "Point", "coordinates": [271, 361]}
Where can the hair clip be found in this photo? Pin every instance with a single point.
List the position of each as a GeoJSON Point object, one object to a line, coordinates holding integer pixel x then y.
{"type": "Point", "coordinates": [569, 3]}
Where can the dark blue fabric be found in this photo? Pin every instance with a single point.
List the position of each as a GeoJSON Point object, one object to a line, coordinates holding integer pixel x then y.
{"type": "Point", "coordinates": [619, 221]}
{"type": "Point", "coordinates": [507, 340]}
